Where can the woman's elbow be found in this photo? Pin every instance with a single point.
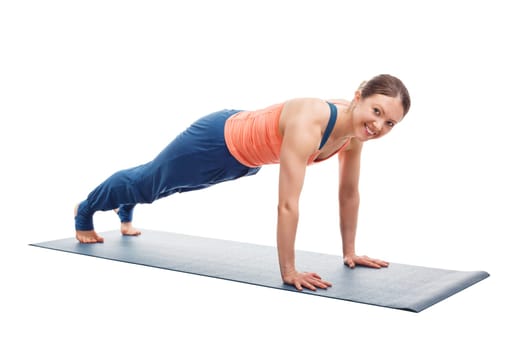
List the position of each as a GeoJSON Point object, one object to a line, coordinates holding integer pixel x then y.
{"type": "Point", "coordinates": [287, 207]}
{"type": "Point", "coordinates": [349, 196]}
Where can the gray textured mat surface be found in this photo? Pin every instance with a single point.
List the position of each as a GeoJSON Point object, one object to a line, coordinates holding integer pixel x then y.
{"type": "Point", "coordinates": [399, 286]}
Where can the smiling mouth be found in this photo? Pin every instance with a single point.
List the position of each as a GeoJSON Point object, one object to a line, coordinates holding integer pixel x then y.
{"type": "Point", "coordinates": [369, 131]}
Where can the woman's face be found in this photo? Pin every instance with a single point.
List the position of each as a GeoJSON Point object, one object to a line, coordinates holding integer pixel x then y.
{"type": "Point", "coordinates": [375, 116]}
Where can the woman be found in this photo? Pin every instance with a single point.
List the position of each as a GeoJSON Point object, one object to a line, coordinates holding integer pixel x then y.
{"type": "Point", "coordinates": [230, 144]}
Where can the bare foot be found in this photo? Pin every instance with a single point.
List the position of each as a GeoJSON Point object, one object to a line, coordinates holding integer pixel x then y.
{"type": "Point", "coordinates": [87, 236]}
{"type": "Point", "coordinates": [127, 229]}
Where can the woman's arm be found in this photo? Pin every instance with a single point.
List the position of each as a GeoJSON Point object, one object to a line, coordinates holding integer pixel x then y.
{"type": "Point", "coordinates": [349, 170]}
{"type": "Point", "coordinates": [301, 138]}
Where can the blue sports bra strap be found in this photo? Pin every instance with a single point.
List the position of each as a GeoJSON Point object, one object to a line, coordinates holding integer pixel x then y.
{"type": "Point", "coordinates": [331, 124]}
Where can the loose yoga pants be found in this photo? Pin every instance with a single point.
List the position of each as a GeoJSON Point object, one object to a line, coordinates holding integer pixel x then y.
{"type": "Point", "coordinates": [195, 159]}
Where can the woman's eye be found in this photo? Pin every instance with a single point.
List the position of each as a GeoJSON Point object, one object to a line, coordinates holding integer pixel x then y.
{"type": "Point", "coordinates": [390, 124]}
{"type": "Point", "coordinates": [377, 111]}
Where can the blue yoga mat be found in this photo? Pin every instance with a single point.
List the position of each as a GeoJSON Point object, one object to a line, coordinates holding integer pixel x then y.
{"type": "Point", "coordinates": [400, 286]}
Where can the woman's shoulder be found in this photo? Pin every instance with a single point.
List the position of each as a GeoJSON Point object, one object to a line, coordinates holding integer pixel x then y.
{"type": "Point", "coordinates": [304, 113]}
{"type": "Point", "coordinates": [305, 107]}
{"type": "Point", "coordinates": [313, 104]}
{"type": "Point", "coordinates": [306, 104]}
{"type": "Point", "coordinates": [340, 101]}
{"type": "Point", "coordinates": [304, 101]}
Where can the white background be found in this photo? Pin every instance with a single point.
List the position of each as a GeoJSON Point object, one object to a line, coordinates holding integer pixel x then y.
{"type": "Point", "coordinates": [91, 87]}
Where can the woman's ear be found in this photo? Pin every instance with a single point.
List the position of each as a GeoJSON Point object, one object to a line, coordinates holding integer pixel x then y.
{"type": "Point", "coordinates": [357, 96]}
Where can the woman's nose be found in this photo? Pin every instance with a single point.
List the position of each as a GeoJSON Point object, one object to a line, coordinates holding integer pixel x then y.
{"type": "Point", "coordinates": [378, 125]}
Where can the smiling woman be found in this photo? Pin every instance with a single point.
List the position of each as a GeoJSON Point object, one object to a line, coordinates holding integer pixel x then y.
{"type": "Point", "coordinates": [388, 111]}
{"type": "Point", "coordinates": [230, 144]}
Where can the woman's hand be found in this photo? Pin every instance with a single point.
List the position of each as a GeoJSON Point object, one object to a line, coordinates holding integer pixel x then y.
{"type": "Point", "coordinates": [310, 280]}
{"type": "Point", "coordinates": [363, 260]}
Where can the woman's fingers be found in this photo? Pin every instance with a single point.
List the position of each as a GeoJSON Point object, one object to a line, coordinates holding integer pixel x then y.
{"type": "Point", "coordinates": [309, 286]}
{"type": "Point", "coordinates": [310, 280]}
{"type": "Point", "coordinates": [369, 263]}
{"type": "Point", "coordinates": [313, 274]}
{"type": "Point", "coordinates": [365, 261]}
{"type": "Point", "coordinates": [376, 263]}
{"type": "Point", "coordinates": [298, 286]}
{"type": "Point", "coordinates": [349, 262]}
{"type": "Point", "coordinates": [382, 263]}
{"type": "Point", "coordinates": [317, 281]}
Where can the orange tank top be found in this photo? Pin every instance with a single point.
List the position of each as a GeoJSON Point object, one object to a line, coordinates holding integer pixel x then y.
{"type": "Point", "coordinates": [254, 139]}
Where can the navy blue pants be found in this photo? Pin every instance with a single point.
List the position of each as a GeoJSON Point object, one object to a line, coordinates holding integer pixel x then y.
{"type": "Point", "coordinates": [196, 159]}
